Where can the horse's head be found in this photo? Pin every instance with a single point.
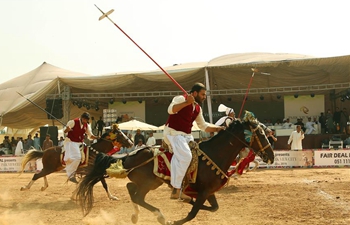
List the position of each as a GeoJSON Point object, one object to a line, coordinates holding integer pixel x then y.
{"type": "Point", "coordinates": [110, 139]}
{"type": "Point", "coordinates": [256, 137]}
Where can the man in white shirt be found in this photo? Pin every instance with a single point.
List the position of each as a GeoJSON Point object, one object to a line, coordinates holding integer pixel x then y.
{"type": "Point", "coordinates": [151, 140]}
{"type": "Point", "coordinates": [309, 126]}
{"type": "Point", "coordinates": [295, 138]}
{"type": "Point", "coordinates": [287, 124]}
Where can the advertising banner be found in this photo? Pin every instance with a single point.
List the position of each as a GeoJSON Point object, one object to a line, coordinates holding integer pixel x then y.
{"type": "Point", "coordinates": [332, 158]}
{"type": "Point", "coordinates": [303, 106]}
{"type": "Point", "coordinates": [285, 159]}
{"type": "Point", "coordinates": [10, 164]}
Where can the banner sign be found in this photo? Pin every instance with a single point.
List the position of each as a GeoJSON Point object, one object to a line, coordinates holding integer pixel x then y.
{"type": "Point", "coordinates": [288, 159]}
{"type": "Point", "coordinates": [332, 158]}
{"type": "Point", "coordinates": [10, 164]}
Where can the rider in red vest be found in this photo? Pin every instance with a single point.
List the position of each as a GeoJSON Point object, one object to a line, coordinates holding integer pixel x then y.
{"type": "Point", "coordinates": [76, 130]}
{"type": "Point", "coordinates": [177, 133]}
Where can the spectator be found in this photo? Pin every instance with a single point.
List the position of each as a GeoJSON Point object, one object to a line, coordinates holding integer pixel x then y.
{"type": "Point", "coordinates": [36, 141]}
{"type": "Point", "coordinates": [28, 144]}
{"type": "Point", "coordinates": [336, 119]}
{"type": "Point", "coordinates": [93, 125]}
{"type": "Point", "coordinates": [19, 147]}
{"type": "Point", "coordinates": [300, 122]}
{"type": "Point", "coordinates": [330, 122]}
{"type": "Point", "coordinates": [287, 124]}
{"type": "Point", "coordinates": [139, 136]}
{"type": "Point", "coordinates": [6, 143]}
{"type": "Point", "coordinates": [125, 150]}
{"type": "Point", "coordinates": [60, 142]}
{"type": "Point", "coordinates": [100, 126]}
{"type": "Point", "coordinates": [140, 144]}
{"type": "Point", "coordinates": [309, 126]}
{"type": "Point", "coordinates": [48, 143]}
{"type": "Point", "coordinates": [344, 118]}
{"type": "Point", "coordinates": [151, 141]}
{"type": "Point", "coordinates": [296, 138]}
{"type": "Point", "coordinates": [278, 122]}
{"type": "Point", "coordinates": [272, 138]}
{"type": "Point", "coordinates": [268, 123]}
{"type": "Point", "coordinates": [322, 120]}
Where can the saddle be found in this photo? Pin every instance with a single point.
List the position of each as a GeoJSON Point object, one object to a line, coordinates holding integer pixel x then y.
{"type": "Point", "coordinates": [84, 151]}
{"type": "Point", "coordinates": [163, 158]}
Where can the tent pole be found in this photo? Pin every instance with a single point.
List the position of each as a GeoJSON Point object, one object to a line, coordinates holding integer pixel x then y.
{"type": "Point", "coordinates": [210, 110]}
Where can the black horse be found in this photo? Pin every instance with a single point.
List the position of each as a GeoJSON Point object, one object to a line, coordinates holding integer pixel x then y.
{"type": "Point", "coordinates": [52, 160]}
{"type": "Point", "coordinates": [216, 157]}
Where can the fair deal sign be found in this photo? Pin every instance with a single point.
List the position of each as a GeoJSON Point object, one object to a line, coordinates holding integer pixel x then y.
{"type": "Point", "coordinates": [332, 158]}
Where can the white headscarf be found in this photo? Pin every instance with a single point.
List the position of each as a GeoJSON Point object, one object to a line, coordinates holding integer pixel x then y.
{"type": "Point", "coordinates": [227, 110]}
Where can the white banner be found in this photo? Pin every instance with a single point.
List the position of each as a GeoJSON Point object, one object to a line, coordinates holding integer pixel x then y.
{"type": "Point", "coordinates": [10, 164]}
{"type": "Point", "coordinates": [303, 107]}
{"type": "Point", "coordinates": [332, 158]}
{"type": "Point", "coordinates": [288, 159]}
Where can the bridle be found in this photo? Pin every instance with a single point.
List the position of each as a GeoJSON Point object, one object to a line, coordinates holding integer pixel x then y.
{"type": "Point", "coordinates": [253, 138]}
{"type": "Point", "coordinates": [119, 132]}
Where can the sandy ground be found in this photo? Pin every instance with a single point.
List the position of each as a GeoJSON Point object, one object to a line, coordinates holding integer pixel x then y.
{"type": "Point", "coordinates": [264, 197]}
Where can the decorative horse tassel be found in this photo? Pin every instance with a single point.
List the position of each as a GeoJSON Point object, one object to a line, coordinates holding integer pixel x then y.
{"type": "Point", "coordinates": [117, 170]}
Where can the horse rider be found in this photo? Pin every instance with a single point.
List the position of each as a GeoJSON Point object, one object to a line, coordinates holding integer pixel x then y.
{"type": "Point", "coordinates": [225, 120]}
{"type": "Point", "coordinates": [183, 110]}
{"type": "Point", "coordinates": [75, 129]}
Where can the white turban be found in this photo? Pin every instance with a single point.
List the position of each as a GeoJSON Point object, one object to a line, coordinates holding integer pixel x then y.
{"type": "Point", "coordinates": [224, 108]}
{"type": "Point", "coordinates": [229, 110]}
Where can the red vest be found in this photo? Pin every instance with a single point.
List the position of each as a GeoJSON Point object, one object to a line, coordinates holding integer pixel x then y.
{"type": "Point", "coordinates": [183, 119]}
{"type": "Point", "coordinates": [77, 133]}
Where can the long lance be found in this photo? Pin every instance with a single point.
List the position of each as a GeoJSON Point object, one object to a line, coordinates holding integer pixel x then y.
{"type": "Point", "coordinates": [165, 72]}
{"type": "Point", "coordinates": [38, 106]}
{"type": "Point", "coordinates": [250, 82]}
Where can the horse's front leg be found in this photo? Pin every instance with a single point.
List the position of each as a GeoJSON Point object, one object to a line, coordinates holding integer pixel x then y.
{"type": "Point", "coordinates": [214, 206]}
{"type": "Point", "coordinates": [105, 186]}
{"type": "Point", "coordinates": [197, 205]}
{"type": "Point", "coordinates": [27, 187]}
{"type": "Point", "coordinates": [46, 184]}
{"type": "Point", "coordinates": [255, 167]}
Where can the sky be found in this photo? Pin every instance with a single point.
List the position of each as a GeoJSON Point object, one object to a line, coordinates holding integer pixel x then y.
{"type": "Point", "coordinates": [68, 34]}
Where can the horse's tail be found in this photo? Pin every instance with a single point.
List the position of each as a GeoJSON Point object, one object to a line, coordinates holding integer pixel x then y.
{"type": "Point", "coordinates": [31, 154]}
{"type": "Point", "coordinates": [84, 192]}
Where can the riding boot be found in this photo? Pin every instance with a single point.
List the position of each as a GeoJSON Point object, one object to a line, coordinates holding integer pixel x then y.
{"type": "Point", "coordinates": [176, 195]}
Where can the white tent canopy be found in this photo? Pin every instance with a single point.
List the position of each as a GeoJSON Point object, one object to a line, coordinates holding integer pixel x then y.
{"type": "Point", "coordinates": [135, 124]}
{"type": "Point", "coordinates": [228, 72]}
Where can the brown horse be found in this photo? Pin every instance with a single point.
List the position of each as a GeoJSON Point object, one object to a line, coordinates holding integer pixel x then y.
{"type": "Point", "coordinates": [52, 162]}
{"type": "Point", "coordinates": [217, 156]}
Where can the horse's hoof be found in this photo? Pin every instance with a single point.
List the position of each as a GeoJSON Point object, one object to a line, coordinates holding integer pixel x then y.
{"type": "Point", "coordinates": [24, 189]}
{"type": "Point", "coordinates": [114, 198]}
{"type": "Point", "coordinates": [161, 220]}
{"type": "Point", "coordinates": [134, 218]}
{"type": "Point", "coordinates": [42, 188]}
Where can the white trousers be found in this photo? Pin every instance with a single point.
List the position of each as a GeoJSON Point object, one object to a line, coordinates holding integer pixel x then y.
{"type": "Point", "coordinates": [181, 158]}
{"type": "Point", "coordinates": [309, 130]}
{"type": "Point", "coordinates": [72, 156]}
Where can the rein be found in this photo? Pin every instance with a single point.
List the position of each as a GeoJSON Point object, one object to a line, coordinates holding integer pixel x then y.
{"type": "Point", "coordinates": [254, 136]}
